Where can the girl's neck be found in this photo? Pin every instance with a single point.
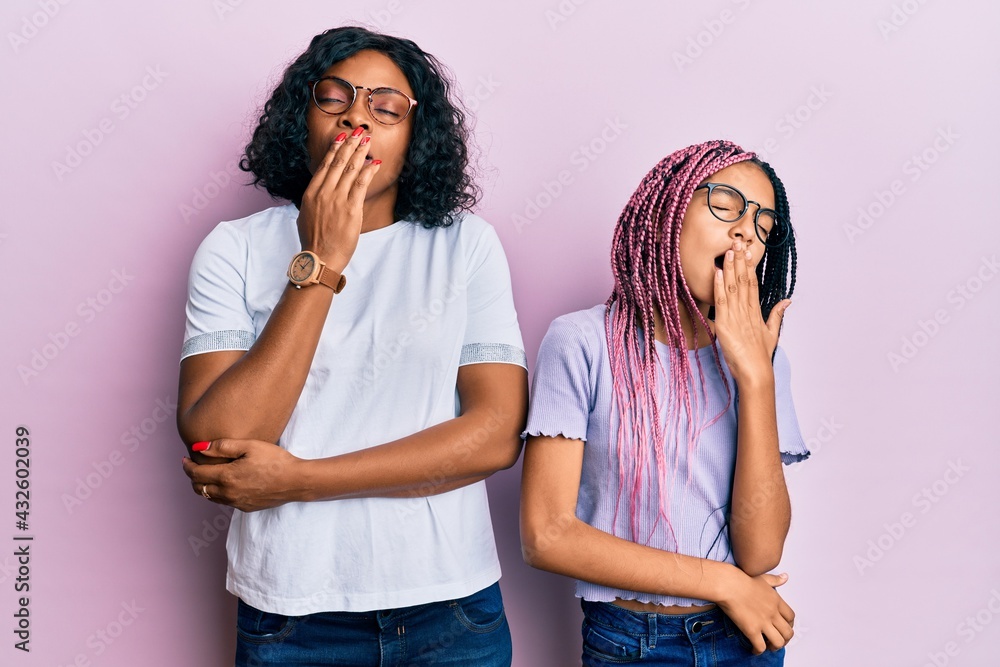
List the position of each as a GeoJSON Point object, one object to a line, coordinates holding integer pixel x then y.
{"type": "Point", "coordinates": [694, 337]}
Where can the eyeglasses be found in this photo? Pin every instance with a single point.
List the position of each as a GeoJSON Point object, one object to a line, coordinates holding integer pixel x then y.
{"type": "Point", "coordinates": [335, 96]}
{"type": "Point", "coordinates": [729, 204]}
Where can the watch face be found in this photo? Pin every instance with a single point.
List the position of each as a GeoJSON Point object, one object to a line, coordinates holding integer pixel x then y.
{"type": "Point", "coordinates": [302, 267]}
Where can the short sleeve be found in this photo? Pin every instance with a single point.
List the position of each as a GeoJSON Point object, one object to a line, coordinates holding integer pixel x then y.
{"type": "Point", "coordinates": [793, 448]}
{"type": "Point", "coordinates": [492, 333]}
{"type": "Point", "coordinates": [217, 314]}
{"type": "Point", "coordinates": [560, 389]}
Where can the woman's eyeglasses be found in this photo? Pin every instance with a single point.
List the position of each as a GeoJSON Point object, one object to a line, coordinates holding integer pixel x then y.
{"type": "Point", "coordinates": [335, 96]}
{"type": "Point", "coordinates": [729, 204]}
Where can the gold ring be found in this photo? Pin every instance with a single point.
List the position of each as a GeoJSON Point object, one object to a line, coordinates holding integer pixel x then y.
{"type": "Point", "coordinates": [204, 491]}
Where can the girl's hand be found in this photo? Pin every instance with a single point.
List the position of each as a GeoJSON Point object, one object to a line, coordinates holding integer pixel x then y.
{"type": "Point", "coordinates": [747, 342]}
{"type": "Point", "coordinates": [332, 204]}
{"type": "Point", "coordinates": [249, 475]}
{"type": "Point", "coordinates": [758, 611]}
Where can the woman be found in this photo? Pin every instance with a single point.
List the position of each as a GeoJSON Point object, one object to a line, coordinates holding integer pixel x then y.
{"type": "Point", "coordinates": [652, 470]}
{"type": "Point", "coordinates": [367, 329]}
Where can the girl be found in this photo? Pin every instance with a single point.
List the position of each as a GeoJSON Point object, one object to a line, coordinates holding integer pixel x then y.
{"type": "Point", "coordinates": [352, 433]}
{"type": "Point", "coordinates": [652, 470]}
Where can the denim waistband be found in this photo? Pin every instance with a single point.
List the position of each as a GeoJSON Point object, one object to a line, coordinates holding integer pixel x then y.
{"type": "Point", "coordinates": [694, 626]}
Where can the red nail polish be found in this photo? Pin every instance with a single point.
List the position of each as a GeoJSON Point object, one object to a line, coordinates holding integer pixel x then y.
{"type": "Point", "coordinates": [358, 132]}
{"type": "Point", "coordinates": [376, 161]}
{"type": "Point", "coordinates": [366, 140]}
{"type": "Point", "coordinates": [341, 137]}
{"type": "Point", "coordinates": [200, 446]}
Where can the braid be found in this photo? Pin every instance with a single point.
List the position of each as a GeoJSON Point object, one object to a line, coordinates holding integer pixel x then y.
{"type": "Point", "coordinates": [646, 263]}
{"type": "Point", "coordinates": [776, 270]}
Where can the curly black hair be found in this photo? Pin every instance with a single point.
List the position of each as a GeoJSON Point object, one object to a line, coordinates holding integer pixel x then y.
{"type": "Point", "coordinates": [435, 183]}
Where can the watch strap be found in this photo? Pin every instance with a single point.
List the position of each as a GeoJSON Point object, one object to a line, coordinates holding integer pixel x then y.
{"type": "Point", "coordinates": [332, 279]}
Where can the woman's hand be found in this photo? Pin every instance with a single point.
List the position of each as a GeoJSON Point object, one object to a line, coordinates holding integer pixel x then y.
{"type": "Point", "coordinates": [747, 342]}
{"type": "Point", "coordinates": [757, 609]}
{"type": "Point", "coordinates": [249, 475]}
{"type": "Point", "coordinates": [332, 204]}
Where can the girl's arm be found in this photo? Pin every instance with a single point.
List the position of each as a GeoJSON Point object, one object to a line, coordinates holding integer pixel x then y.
{"type": "Point", "coordinates": [484, 438]}
{"type": "Point", "coordinates": [554, 539]}
{"type": "Point", "coordinates": [760, 508]}
{"type": "Point", "coordinates": [760, 511]}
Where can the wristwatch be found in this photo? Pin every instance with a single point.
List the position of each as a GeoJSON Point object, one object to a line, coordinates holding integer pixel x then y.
{"type": "Point", "coordinates": [307, 269]}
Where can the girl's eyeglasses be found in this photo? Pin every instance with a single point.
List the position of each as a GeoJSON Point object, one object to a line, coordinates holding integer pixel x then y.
{"type": "Point", "coordinates": [729, 204]}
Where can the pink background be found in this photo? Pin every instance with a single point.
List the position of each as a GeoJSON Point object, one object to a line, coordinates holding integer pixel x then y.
{"type": "Point", "coordinates": [842, 101]}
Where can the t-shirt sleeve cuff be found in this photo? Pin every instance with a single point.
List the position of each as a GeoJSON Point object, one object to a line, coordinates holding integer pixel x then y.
{"type": "Point", "coordinates": [493, 353]}
{"type": "Point", "coordinates": [216, 341]}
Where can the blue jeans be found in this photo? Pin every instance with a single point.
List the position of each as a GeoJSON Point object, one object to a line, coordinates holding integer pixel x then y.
{"type": "Point", "coordinates": [469, 631]}
{"type": "Point", "coordinates": [615, 636]}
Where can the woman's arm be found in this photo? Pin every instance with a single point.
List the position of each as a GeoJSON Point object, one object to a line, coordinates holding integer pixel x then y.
{"type": "Point", "coordinates": [554, 539]}
{"type": "Point", "coordinates": [484, 438]}
{"type": "Point", "coordinates": [252, 394]}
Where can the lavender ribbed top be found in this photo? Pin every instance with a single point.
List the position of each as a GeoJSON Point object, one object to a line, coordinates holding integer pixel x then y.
{"type": "Point", "coordinates": [572, 396]}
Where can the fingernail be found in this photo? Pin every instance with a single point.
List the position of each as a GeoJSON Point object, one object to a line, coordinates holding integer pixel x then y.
{"type": "Point", "coordinates": [200, 446]}
{"type": "Point", "coordinates": [718, 273]}
{"type": "Point", "coordinates": [729, 255]}
{"type": "Point", "coordinates": [376, 162]}
{"type": "Point", "coordinates": [357, 132]}
{"type": "Point", "coordinates": [366, 140]}
{"type": "Point", "coordinates": [739, 245]}
{"type": "Point", "coordinates": [749, 255]}
{"type": "Point", "coordinates": [340, 137]}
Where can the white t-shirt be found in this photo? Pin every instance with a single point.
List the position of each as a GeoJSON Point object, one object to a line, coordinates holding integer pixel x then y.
{"type": "Point", "coordinates": [418, 304]}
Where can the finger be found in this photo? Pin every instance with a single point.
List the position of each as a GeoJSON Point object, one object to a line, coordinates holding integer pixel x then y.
{"type": "Point", "coordinates": [356, 195]}
{"type": "Point", "coordinates": [773, 638]}
{"type": "Point", "coordinates": [753, 293]}
{"type": "Point", "coordinates": [729, 277]}
{"type": "Point", "coordinates": [324, 165]}
{"type": "Point", "coordinates": [787, 613]}
{"type": "Point", "coordinates": [785, 629]}
{"type": "Point", "coordinates": [223, 448]}
{"type": "Point", "coordinates": [354, 165]}
{"type": "Point", "coordinates": [776, 316]}
{"type": "Point", "coordinates": [341, 158]}
{"type": "Point", "coordinates": [758, 643]}
{"type": "Point", "coordinates": [721, 297]}
{"type": "Point", "coordinates": [775, 580]}
{"type": "Point", "coordinates": [742, 280]}
{"type": "Point", "coordinates": [203, 474]}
